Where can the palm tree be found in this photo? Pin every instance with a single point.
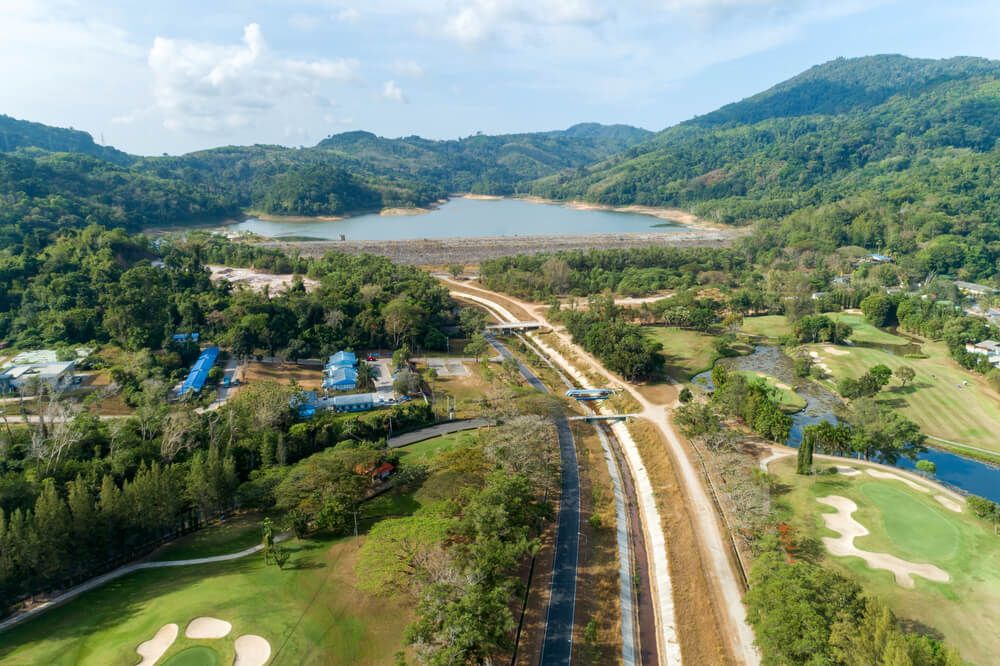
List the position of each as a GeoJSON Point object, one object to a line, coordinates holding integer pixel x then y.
{"type": "Point", "coordinates": [366, 377]}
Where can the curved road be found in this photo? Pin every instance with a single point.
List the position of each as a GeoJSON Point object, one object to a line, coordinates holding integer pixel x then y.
{"type": "Point", "coordinates": [557, 646]}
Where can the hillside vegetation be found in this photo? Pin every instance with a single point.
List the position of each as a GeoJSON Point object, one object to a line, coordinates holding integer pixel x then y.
{"type": "Point", "coordinates": [883, 124]}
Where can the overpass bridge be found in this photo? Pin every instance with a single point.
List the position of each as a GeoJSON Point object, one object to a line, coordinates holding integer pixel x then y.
{"type": "Point", "coordinates": [592, 418]}
{"type": "Point", "coordinates": [506, 328]}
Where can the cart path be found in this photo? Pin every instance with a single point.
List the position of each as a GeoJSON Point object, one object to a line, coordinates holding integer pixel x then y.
{"type": "Point", "coordinates": [124, 571]}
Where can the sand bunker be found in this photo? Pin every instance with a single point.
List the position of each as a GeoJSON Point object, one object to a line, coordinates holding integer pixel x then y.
{"type": "Point", "coordinates": [251, 650]}
{"type": "Point", "coordinates": [951, 505]}
{"type": "Point", "coordinates": [835, 351]}
{"type": "Point", "coordinates": [207, 627]}
{"type": "Point", "coordinates": [896, 477]}
{"type": "Point", "coordinates": [154, 648]}
{"type": "Point", "coordinates": [847, 471]}
{"type": "Point", "coordinates": [843, 546]}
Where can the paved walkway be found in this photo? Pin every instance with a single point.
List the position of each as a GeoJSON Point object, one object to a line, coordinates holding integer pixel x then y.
{"type": "Point", "coordinates": [118, 573]}
{"type": "Point", "coordinates": [557, 645]}
{"type": "Point", "coordinates": [436, 431]}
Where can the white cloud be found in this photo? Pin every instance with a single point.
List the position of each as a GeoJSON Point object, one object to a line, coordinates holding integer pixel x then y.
{"type": "Point", "coordinates": [304, 22]}
{"type": "Point", "coordinates": [392, 92]}
{"type": "Point", "coordinates": [482, 19]}
{"type": "Point", "coordinates": [208, 87]}
{"type": "Point", "coordinates": [408, 68]}
{"type": "Point", "coordinates": [349, 15]}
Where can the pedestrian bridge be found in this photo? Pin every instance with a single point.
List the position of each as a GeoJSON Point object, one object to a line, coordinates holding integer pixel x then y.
{"type": "Point", "coordinates": [603, 417]}
{"type": "Point", "coordinates": [514, 326]}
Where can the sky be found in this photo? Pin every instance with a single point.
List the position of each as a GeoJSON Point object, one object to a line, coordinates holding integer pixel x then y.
{"type": "Point", "coordinates": [173, 77]}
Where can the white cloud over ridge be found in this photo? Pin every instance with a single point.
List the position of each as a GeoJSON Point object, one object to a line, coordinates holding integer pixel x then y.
{"type": "Point", "coordinates": [393, 93]}
{"type": "Point", "coordinates": [208, 87]}
{"type": "Point", "coordinates": [408, 68]}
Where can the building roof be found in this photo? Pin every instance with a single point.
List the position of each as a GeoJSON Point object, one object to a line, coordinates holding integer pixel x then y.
{"type": "Point", "coordinates": [972, 286]}
{"type": "Point", "coordinates": [41, 370]}
{"type": "Point", "coordinates": [343, 358]}
{"type": "Point", "coordinates": [199, 371]}
{"type": "Point", "coordinates": [344, 375]}
{"type": "Point", "coordinates": [355, 399]}
{"type": "Point", "coordinates": [880, 257]}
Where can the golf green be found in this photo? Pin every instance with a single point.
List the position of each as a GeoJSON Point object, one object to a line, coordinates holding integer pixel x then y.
{"type": "Point", "coordinates": [912, 525]}
{"type": "Point", "coordinates": [198, 655]}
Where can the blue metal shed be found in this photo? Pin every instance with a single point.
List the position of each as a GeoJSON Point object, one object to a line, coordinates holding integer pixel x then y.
{"type": "Point", "coordinates": [342, 379]}
{"type": "Point", "coordinates": [360, 402]}
{"type": "Point", "coordinates": [343, 359]}
{"type": "Point", "coordinates": [199, 371]}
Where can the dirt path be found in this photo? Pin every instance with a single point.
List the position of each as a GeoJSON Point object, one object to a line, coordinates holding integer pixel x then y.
{"type": "Point", "coordinates": [703, 514]}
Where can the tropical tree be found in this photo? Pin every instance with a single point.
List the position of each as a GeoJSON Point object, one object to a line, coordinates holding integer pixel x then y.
{"type": "Point", "coordinates": [365, 377]}
{"type": "Point", "coordinates": [905, 374]}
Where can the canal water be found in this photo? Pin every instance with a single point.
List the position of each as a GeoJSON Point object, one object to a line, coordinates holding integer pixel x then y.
{"type": "Point", "coordinates": [467, 218]}
{"type": "Point", "coordinates": [953, 470]}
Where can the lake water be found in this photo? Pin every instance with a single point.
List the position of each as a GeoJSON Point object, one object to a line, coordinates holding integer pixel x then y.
{"type": "Point", "coordinates": [966, 474]}
{"type": "Point", "coordinates": [469, 218]}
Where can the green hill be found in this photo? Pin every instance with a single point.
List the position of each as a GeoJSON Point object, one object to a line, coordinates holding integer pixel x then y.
{"type": "Point", "coordinates": [18, 134]}
{"type": "Point", "coordinates": [840, 129]}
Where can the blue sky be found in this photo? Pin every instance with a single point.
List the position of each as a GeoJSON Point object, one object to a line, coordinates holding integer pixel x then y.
{"type": "Point", "coordinates": [180, 76]}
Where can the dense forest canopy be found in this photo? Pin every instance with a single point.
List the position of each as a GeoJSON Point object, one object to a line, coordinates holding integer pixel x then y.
{"type": "Point", "coordinates": [52, 178]}
{"type": "Point", "coordinates": [16, 134]}
{"type": "Point", "coordinates": [878, 125]}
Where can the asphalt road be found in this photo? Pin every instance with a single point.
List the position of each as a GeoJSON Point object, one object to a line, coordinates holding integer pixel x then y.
{"type": "Point", "coordinates": [557, 646]}
{"type": "Point", "coordinates": [436, 431]}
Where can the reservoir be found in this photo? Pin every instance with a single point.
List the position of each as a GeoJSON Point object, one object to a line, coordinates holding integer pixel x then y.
{"type": "Point", "coordinates": [463, 217]}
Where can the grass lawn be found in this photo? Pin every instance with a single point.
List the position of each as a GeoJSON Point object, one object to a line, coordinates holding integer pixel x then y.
{"type": "Point", "coordinates": [774, 326]}
{"type": "Point", "coordinates": [788, 400]}
{"type": "Point", "coordinates": [237, 533]}
{"type": "Point", "coordinates": [968, 415]}
{"type": "Point", "coordinates": [913, 526]}
{"type": "Point", "coordinates": [686, 352]}
{"type": "Point", "coordinates": [425, 451]}
{"type": "Point", "coordinates": [468, 390]}
{"type": "Point", "coordinates": [310, 612]}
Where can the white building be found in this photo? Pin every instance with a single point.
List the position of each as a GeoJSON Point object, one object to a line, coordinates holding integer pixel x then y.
{"type": "Point", "coordinates": [56, 376]}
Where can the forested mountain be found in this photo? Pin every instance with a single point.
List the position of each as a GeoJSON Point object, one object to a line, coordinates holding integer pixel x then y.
{"type": "Point", "coordinates": [53, 178]}
{"type": "Point", "coordinates": [16, 134]}
{"type": "Point", "coordinates": [42, 194]}
{"type": "Point", "coordinates": [485, 164]}
{"type": "Point", "coordinates": [874, 124]}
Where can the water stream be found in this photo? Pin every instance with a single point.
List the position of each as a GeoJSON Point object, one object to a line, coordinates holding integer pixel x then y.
{"type": "Point", "coordinates": [966, 474]}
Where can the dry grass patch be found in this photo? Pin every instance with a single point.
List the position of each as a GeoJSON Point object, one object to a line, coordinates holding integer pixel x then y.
{"type": "Point", "coordinates": [598, 589]}
{"type": "Point", "coordinates": [309, 379]}
{"type": "Point", "coordinates": [698, 622]}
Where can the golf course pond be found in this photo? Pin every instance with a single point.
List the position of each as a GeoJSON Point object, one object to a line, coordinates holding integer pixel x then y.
{"type": "Point", "coordinates": [466, 217]}
{"type": "Point", "coordinates": [964, 474]}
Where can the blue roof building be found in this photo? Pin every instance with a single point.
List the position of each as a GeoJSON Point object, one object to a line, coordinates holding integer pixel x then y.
{"type": "Point", "coordinates": [342, 379]}
{"type": "Point", "coordinates": [199, 371]}
{"type": "Point", "coordinates": [342, 359]}
{"type": "Point", "coordinates": [360, 402]}
{"type": "Point", "coordinates": [184, 337]}
{"type": "Point", "coordinates": [305, 403]}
